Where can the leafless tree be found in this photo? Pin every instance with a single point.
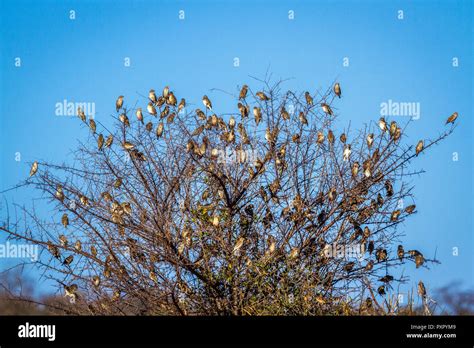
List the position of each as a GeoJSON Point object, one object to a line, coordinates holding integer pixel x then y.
{"type": "Point", "coordinates": [184, 211]}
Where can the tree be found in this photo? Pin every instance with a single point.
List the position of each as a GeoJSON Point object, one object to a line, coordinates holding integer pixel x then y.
{"type": "Point", "coordinates": [180, 211]}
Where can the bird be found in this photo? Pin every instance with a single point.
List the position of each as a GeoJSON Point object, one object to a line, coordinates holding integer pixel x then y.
{"type": "Point", "coordinates": [153, 277]}
{"type": "Point", "coordinates": [389, 188]}
{"type": "Point", "coordinates": [395, 215]}
{"type": "Point", "coordinates": [151, 109]}
{"type": "Point", "coordinates": [294, 253]}
{"type": "Point", "coordinates": [81, 114]}
{"type": "Point", "coordinates": [400, 252]}
{"type": "Point", "coordinates": [419, 147]}
{"type": "Point", "coordinates": [370, 247]}
{"type": "Point", "coordinates": [92, 125]}
{"type": "Point", "coordinates": [128, 145]}
{"type": "Point", "coordinates": [419, 260]}
{"type": "Point", "coordinates": [257, 113]}
{"type": "Point", "coordinates": [238, 245]}
{"type": "Point", "coordinates": [68, 260]}
{"type": "Point", "coordinates": [34, 168]}
{"type": "Point", "coordinates": [386, 279]}
{"type": "Point", "coordinates": [244, 110]}
{"type": "Point", "coordinates": [181, 105]}
{"type": "Point", "coordinates": [355, 169]}
{"type": "Point", "coordinates": [382, 124]}
{"type": "Point", "coordinates": [149, 126]}
{"type": "Point", "coordinates": [63, 240]}
{"type": "Point", "coordinates": [393, 128]}
{"type": "Point", "coordinates": [109, 141]}
{"type": "Point", "coordinates": [452, 118]}
{"type": "Point", "coordinates": [159, 129]}
{"type": "Point", "coordinates": [78, 245]}
{"type": "Point", "coordinates": [320, 137]}
{"type": "Point", "coordinates": [96, 280]}
{"type": "Point", "coordinates": [139, 114]}
{"type": "Point", "coordinates": [370, 140]}
{"type": "Point", "coordinates": [327, 109]}
{"type": "Point", "coordinates": [343, 138]}
{"type": "Point", "coordinates": [166, 92]}
{"type": "Point", "coordinates": [337, 89]}
{"type": "Point", "coordinates": [381, 290]}
{"type": "Point", "coordinates": [284, 114]}
{"type": "Point", "coordinates": [303, 118]}
{"type": "Point", "coordinates": [100, 141]}
{"type": "Point", "coordinates": [59, 193]}
{"type": "Point", "coordinates": [421, 289]}
{"type": "Point", "coordinates": [152, 96]}
{"type": "Point", "coordinates": [207, 103]}
{"type": "Point", "coordinates": [331, 138]}
{"type": "Point", "coordinates": [381, 255]}
{"type": "Point", "coordinates": [410, 209]}
{"type": "Point", "coordinates": [124, 119]}
{"type": "Point", "coordinates": [172, 99]}
{"type": "Point", "coordinates": [70, 291]}
{"type": "Point", "coordinates": [243, 92]}
{"type": "Point", "coordinates": [262, 96]}
{"type": "Point", "coordinates": [369, 265]}
{"type": "Point", "coordinates": [65, 220]}
{"type": "Point", "coordinates": [349, 266]}
{"type": "Point", "coordinates": [215, 221]}
{"type": "Point", "coordinates": [347, 152]}
{"type": "Point", "coordinates": [119, 103]}
{"type": "Point", "coordinates": [309, 99]}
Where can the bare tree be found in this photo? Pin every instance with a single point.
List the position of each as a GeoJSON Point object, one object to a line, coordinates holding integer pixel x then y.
{"type": "Point", "coordinates": [181, 211]}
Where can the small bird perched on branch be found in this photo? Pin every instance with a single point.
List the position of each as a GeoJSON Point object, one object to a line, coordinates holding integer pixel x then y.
{"type": "Point", "coordinates": [119, 103]}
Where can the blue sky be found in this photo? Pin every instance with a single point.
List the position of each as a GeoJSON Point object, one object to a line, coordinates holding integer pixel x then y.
{"type": "Point", "coordinates": [404, 60]}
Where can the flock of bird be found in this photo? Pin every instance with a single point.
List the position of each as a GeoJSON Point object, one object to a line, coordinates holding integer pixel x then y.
{"type": "Point", "coordinates": [168, 99]}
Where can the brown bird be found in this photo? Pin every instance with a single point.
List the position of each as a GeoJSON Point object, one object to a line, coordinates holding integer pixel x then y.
{"type": "Point", "coordinates": [421, 289]}
{"type": "Point", "coordinates": [303, 118]}
{"type": "Point", "coordinates": [343, 138]}
{"type": "Point", "coordinates": [78, 245]}
{"type": "Point", "coordinates": [400, 252]}
{"type": "Point", "coordinates": [166, 92]}
{"type": "Point", "coordinates": [139, 115]}
{"type": "Point", "coordinates": [381, 290]}
{"type": "Point", "coordinates": [81, 114]}
{"type": "Point", "coordinates": [68, 260]}
{"type": "Point", "coordinates": [349, 266]}
{"type": "Point", "coordinates": [244, 110]}
{"type": "Point", "coordinates": [389, 188]}
{"type": "Point", "coordinates": [124, 119]}
{"type": "Point", "coordinates": [370, 140]}
{"type": "Point", "coordinates": [331, 138]}
{"type": "Point", "coordinates": [410, 209]}
{"type": "Point", "coordinates": [181, 105]}
{"type": "Point", "coordinates": [337, 89]}
{"type": "Point", "coordinates": [149, 126]}
{"type": "Point", "coordinates": [370, 247]}
{"type": "Point", "coordinates": [419, 147]}
{"type": "Point", "coordinates": [262, 96]}
{"type": "Point", "coordinates": [96, 280]}
{"type": "Point", "coordinates": [128, 145]}
{"type": "Point", "coordinates": [382, 124]}
{"type": "Point", "coordinates": [63, 240]}
{"type": "Point", "coordinates": [207, 103]}
{"type": "Point", "coordinates": [419, 260]}
{"type": "Point", "coordinates": [119, 103]}
{"type": "Point", "coordinates": [381, 255]}
{"type": "Point", "coordinates": [327, 109]}
{"type": "Point", "coordinates": [100, 141]}
{"type": "Point", "coordinates": [59, 193]}
{"type": "Point", "coordinates": [320, 137]}
{"type": "Point", "coordinates": [257, 113]}
{"type": "Point", "coordinates": [243, 92]}
{"type": "Point", "coordinates": [284, 114]}
{"type": "Point", "coordinates": [159, 129]}
{"type": "Point", "coordinates": [369, 266]}
{"type": "Point", "coordinates": [109, 141]}
{"type": "Point", "coordinates": [93, 251]}
{"type": "Point", "coordinates": [452, 118]}
{"type": "Point", "coordinates": [151, 109]}
{"type": "Point", "coordinates": [92, 125]}
{"type": "Point", "coordinates": [355, 169]}
{"type": "Point", "coordinates": [238, 245]}
{"type": "Point", "coordinates": [395, 215]}
{"type": "Point", "coordinates": [309, 99]}
{"type": "Point", "coordinates": [65, 220]}
{"type": "Point", "coordinates": [393, 128]}
{"type": "Point", "coordinates": [34, 168]}
{"type": "Point", "coordinates": [152, 96]}
{"type": "Point", "coordinates": [172, 99]}
{"type": "Point", "coordinates": [386, 279]}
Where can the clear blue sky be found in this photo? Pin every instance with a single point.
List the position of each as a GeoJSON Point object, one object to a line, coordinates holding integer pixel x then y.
{"type": "Point", "coordinates": [407, 60]}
